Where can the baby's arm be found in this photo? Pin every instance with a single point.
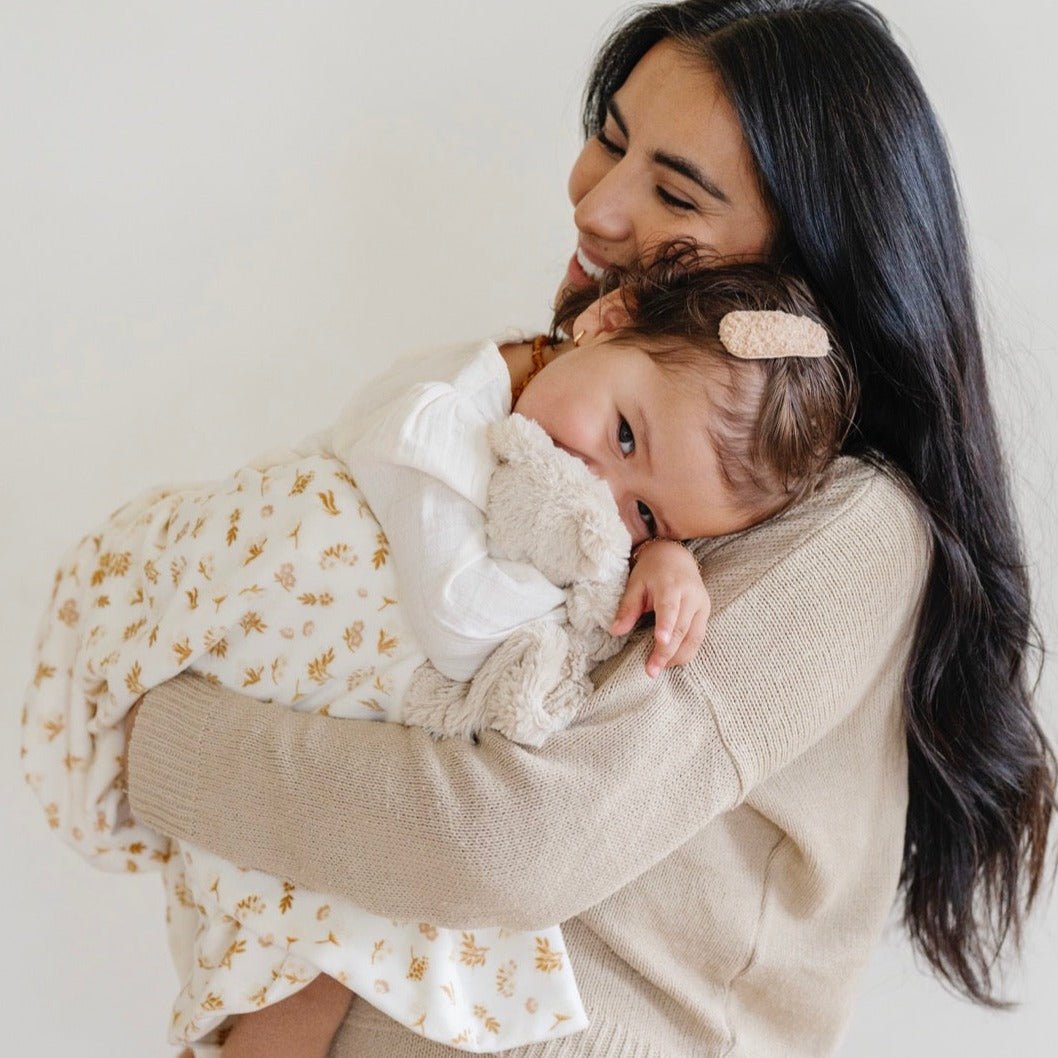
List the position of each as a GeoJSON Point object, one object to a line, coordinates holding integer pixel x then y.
{"type": "Point", "coordinates": [665, 578]}
{"type": "Point", "coordinates": [424, 465]}
{"type": "Point", "coordinates": [460, 602]}
{"type": "Point", "coordinates": [300, 1026]}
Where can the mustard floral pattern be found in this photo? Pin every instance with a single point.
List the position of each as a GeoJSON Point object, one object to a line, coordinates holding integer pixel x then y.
{"type": "Point", "coordinates": [276, 583]}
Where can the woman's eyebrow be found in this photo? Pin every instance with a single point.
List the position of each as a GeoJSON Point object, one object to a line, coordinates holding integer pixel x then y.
{"type": "Point", "coordinates": [615, 112]}
{"type": "Point", "coordinates": [688, 169]}
{"type": "Point", "coordinates": [683, 166]}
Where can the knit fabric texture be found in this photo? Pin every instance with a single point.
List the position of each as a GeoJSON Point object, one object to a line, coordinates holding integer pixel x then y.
{"type": "Point", "coordinates": [722, 844]}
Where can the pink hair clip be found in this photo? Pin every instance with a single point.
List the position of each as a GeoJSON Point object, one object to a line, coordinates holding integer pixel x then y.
{"type": "Point", "coordinates": [772, 335]}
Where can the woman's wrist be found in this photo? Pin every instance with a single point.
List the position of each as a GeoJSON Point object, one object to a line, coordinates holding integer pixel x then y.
{"type": "Point", "coordinates": [164, 736]}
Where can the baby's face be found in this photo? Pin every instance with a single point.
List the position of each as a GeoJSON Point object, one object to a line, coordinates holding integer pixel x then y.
{"type": "Point", "coordinates": [643, 430]}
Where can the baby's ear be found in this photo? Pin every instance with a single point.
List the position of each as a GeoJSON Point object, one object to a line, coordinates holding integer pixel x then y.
{"type": "Point", "coordinates": [609, 313]}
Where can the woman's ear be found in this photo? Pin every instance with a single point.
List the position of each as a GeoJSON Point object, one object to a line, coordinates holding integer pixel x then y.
{"type": "Point", "coordinates": [604, 316]}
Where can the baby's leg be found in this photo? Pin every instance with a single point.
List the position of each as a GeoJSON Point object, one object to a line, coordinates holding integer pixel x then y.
{"type": "Point", "coordinates": [300, 1026]}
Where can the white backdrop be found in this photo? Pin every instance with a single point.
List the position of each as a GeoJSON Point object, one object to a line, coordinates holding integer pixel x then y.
{"type": "Point", "coordinates": [216, 217]}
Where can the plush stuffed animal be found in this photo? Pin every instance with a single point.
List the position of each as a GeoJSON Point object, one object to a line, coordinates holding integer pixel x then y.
{"type": "Point", "coordinates": [547, 509]}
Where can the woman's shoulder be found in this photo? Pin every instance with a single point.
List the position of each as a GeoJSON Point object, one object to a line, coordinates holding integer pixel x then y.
{"type": "Point", "coordinates": [855, 489]}
{"type": "Point", "coordinates": [813, 612]}
{"type": "Point", "coordinates": [862, 516]}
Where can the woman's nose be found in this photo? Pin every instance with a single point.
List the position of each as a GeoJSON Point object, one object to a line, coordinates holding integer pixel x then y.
{"type": "Point", "coordinates": [604, 211]}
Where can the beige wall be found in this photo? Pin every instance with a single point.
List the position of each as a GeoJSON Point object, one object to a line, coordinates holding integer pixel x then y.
{"type": "Point", "coordinates": [219, 216]}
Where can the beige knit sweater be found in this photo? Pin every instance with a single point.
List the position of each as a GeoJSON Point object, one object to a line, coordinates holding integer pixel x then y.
{"type": "Point", "coordinates": [721, 845]}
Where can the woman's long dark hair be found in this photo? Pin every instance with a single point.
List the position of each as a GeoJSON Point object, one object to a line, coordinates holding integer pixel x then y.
{"type": "Point", "coordinates": [857, 172]}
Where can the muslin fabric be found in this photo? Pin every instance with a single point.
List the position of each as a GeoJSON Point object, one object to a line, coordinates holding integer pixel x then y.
{"type": "Point", "coordinates": [281, 582]}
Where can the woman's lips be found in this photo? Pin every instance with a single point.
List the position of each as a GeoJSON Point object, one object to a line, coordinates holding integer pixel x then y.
{"type": "Point", "coordinates": [595, 271]}
{"type": "Point", "coordinates": [575, 275]}
{"type": "Point", "coordinates": [582, 271]}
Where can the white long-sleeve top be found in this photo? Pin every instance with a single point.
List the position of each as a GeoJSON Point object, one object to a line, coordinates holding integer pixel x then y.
{"type": "Point", "coordinates": [420, 455]}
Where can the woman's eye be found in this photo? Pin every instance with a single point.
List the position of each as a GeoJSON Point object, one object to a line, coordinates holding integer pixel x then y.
{"type": "Point", "coordinates": [625, 438]}
{"type": "Point", "coordinates": [608, 145]}
{"type": "Point", "coordinates": [648, 517]}
{"type": "Point", "coordinates": [672, 200]}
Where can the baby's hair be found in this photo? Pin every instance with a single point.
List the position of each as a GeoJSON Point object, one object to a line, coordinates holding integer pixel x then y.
{"type": "Point", "coordinates": [777, 424]}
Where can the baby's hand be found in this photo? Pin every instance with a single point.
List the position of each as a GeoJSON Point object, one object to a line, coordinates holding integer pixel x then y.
{"type": "Point", "coordinates": [665, 579]}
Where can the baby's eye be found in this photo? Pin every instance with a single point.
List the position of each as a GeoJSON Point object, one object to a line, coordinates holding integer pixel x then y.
{"type": "Point", "coordinates": [626, 440]}
{"type": "Point", "coordinates": [648, 517]}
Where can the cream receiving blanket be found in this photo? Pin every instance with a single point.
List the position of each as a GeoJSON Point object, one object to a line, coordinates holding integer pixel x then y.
{"type": "Point", "coordinates": [278, 582]}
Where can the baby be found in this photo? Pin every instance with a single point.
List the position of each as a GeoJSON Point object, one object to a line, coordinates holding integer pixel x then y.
{"type": "Point", "coordinates": [346, 575]}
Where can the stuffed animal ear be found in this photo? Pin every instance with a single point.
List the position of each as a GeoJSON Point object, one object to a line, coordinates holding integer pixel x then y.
{"type": "Point", "coordinates": [517, 439]}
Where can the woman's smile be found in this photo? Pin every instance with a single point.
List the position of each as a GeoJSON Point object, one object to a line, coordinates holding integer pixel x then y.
{"type": "Point", "coordinates": [670, 161]}
{"type": "Point", "coordinates": [583, 270]}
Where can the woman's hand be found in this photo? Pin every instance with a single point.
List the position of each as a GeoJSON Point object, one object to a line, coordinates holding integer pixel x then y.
{"type": "Point", "coordinates": [665, 579]}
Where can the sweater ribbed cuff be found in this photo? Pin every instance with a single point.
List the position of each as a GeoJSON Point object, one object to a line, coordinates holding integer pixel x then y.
{"type": "Point", "coordinates": [164, 755]}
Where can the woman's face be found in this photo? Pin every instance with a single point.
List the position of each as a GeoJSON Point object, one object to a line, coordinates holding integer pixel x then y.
{"type": "Point", "coordinates": [670, 162]}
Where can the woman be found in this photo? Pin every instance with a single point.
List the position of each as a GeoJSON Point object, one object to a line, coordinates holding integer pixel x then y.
{"type": "Point", "coordinates": [723, 844]}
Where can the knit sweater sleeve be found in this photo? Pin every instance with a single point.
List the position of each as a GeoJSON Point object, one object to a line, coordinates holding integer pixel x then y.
{"type": "Point", "coordinates": [809, 611]}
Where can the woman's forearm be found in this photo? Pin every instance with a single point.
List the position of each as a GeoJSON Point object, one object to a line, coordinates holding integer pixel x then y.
{"type": "Point", "coordinates": [448, 832]}
{"type": "Point", "coordinates": [495, 834]}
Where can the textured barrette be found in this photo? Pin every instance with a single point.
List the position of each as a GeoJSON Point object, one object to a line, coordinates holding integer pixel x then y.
{"type": "Point", "coordinates": [772, 335]}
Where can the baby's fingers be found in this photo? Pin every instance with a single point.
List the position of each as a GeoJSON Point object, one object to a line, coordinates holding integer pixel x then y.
{"type": "Point", "coordinates": [668, 634]}
{"type": "Point", "coordinates": [629, 610]}
{"type": "Point", "coordinates": [666, 614]}
{"type": "Point", "coordinates": [693, 639]}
